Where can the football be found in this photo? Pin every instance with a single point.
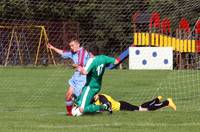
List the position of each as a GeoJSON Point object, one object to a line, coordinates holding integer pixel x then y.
{"type": "Point", "coordinates": [76, 111]}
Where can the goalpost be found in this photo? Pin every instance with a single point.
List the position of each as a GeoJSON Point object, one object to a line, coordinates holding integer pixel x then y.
{"type": "Point", "coordinates": [25, 45]}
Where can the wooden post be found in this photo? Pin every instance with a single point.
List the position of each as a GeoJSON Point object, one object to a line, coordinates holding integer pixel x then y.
{"type": "Point", "coordinates": [10, 43]}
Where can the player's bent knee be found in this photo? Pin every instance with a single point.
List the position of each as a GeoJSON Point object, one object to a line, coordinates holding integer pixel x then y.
{"type": "Point", "coordinates": [68, 95]}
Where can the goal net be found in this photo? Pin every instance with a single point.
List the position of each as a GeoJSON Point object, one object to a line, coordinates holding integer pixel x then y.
{"type": "Point", "coordinates": [27, 26]}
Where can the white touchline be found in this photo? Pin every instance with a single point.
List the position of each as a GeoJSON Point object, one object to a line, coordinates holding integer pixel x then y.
{"type": "Point", "coordinates": [121, 124]}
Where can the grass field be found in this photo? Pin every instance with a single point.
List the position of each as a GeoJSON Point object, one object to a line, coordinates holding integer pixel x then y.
{"type": "Point", "coordinates": [32, 100]}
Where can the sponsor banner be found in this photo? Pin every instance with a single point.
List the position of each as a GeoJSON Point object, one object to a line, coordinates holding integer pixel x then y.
{"type": "Point", "coordinates": [151, 58]}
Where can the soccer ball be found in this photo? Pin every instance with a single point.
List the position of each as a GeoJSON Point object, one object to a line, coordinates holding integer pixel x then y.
{"type": "Point", "coordinates": [76, 111]}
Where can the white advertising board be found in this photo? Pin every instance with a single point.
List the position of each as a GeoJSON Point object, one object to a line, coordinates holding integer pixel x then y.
{"type": "Point", "coordinates": [151, 58]}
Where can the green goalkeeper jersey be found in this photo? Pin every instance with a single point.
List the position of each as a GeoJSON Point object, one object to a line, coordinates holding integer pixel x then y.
{"type": "Point", "coordinates": [95, 68]}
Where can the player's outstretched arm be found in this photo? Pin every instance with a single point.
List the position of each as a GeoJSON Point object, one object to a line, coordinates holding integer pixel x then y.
{"type": "Point", "coordinates": [59, 51]}
{"type": "Point", "coordinates": [117, 60]}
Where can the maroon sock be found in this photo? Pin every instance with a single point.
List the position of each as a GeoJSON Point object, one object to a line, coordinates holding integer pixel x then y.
{"type": "Point", "coordinates": [69, 110]}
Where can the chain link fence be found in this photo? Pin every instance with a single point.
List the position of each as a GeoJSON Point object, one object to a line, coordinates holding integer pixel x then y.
{"type": "Point", "coordinates": [111, 25]}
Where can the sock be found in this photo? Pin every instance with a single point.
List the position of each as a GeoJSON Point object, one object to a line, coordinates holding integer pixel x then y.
{"type": "Point", "coordinates": [94, 108]}
{"type": "Point", "coordinates": [69, 106]}
{"type": "Point", "coordinates": [150, 103]}
{"type": "Point", "coordinates": [158, 106]}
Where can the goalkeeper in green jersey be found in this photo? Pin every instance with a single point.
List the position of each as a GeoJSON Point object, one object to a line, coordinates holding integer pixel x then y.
{"type": "Point", "coordinates": [94, 70]}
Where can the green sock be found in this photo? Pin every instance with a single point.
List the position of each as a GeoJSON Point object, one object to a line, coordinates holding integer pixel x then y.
{"type": "Point", "coordinates": [94, 108]}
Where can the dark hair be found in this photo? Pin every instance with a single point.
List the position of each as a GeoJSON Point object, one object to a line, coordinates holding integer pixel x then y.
{"type": "Point", "coordinates": [94, 49]}
{"type": "Point", "coordinates": [74, 39]}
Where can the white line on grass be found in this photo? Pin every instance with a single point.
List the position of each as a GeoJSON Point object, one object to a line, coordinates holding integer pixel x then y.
{"type": "Point", "coordinates": [80, 126]}
{"type": "Point", "coordinates": [123, 124]}
{"type": "Point", "coordinates": [58, 113]}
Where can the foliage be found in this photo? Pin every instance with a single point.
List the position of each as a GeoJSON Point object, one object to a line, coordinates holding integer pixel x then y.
{"type": "Point", "coordinates": [103, 22]}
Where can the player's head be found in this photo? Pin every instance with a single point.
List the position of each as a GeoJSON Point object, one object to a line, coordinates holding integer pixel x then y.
{"type": "Point", "coordinates": [74, 45]}
{"type": "Point", "coordinates": [94, 50]}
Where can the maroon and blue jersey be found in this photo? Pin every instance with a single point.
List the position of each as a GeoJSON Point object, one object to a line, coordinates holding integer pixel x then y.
{"type": "Point", "coordinates": [80, 58]}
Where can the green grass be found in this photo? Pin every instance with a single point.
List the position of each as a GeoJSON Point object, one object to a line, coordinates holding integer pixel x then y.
{"type": "Point", "coordinates": [32, 99]}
